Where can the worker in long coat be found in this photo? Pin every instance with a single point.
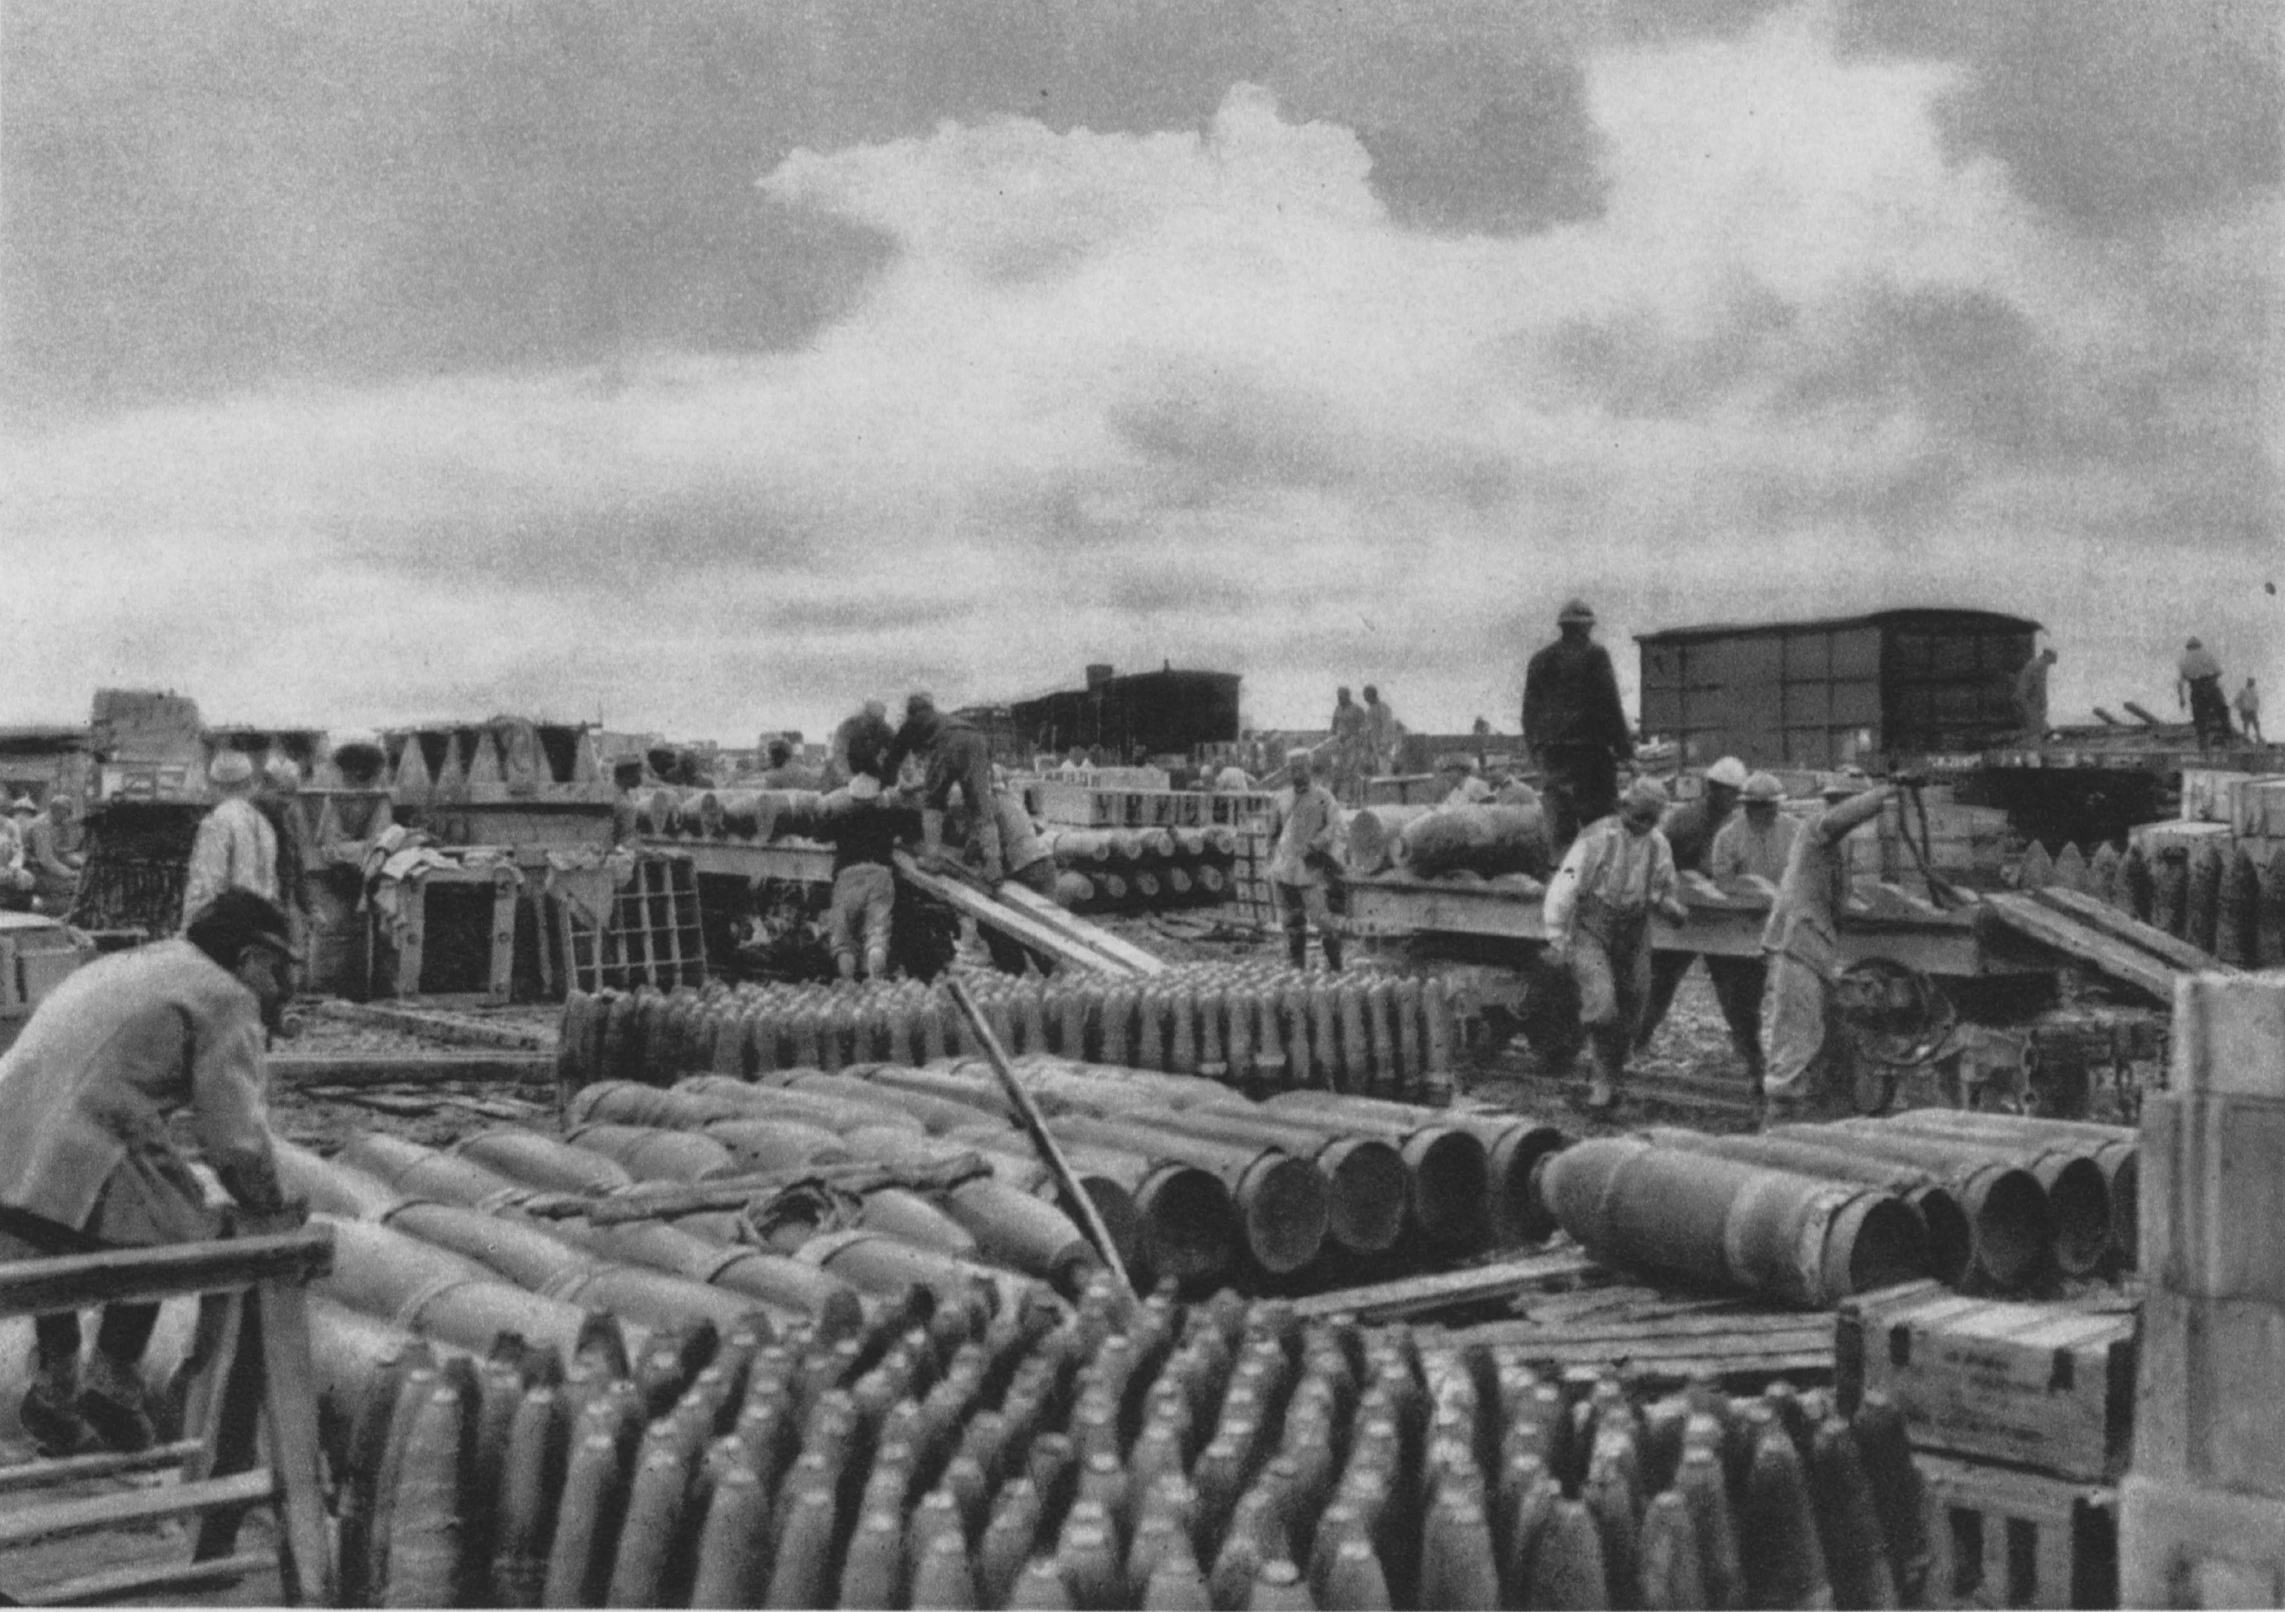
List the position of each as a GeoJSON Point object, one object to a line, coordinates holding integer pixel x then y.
{"type": "Point", "coordinates": [87, 1160]}
{"type": "Point", "coordinates": [1575, 727]}
{"type": "Point", "coordinates": [1597, 916]}
{"type": "Point", "coordinates": [1802, 942]}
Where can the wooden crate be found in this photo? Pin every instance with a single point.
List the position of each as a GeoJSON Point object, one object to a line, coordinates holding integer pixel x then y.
{"type": "Point", "coordinates": [2027, 1384]}
{"type": "Point", "coordinates": [2182, 1545]}
{"type": "Point", "coordinates": [655, 935]}
{"type": "Point", "coordinates": [456, 939]}
{"type": "Point", "coordinates": [2003, 1537]}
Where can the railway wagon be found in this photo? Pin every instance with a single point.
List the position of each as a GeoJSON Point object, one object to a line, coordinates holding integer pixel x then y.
{"type": "Point", "coordinates": [1865, 690]}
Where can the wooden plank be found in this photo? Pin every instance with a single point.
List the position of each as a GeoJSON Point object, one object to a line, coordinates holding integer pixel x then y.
{"type": "Point", "coordinates": [2099, 914]}
{"type": "Point", "coordinates": [442, 1027]}
{"type": "Point", "coordinates": [1413, 1294]}
{"type": "Point", "coordinates": [1008, 920]}
{"type": "Point", "coordinates": [424, 1068]}
{"type": "Point", "coordinates": [2116, 958]}
{"type": "Point", "coordinates": [290, 1400]}
{"type": "Point", "coordinates": [149, 1578]}
{"type": "Point", "coordinates": [139, 1275]}
{"type": "Point", "coordinates": [131, 1506]}
{"type": "Point", "coordinates": [80, 1468]}
{"type": "Point", "coordinates": [1684, 1326]}
{"type": "Point", "coordinates": [1080, 929]}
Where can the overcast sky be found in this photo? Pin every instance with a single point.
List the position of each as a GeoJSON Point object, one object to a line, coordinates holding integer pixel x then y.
{"type": "Point", "coordinates": [713, 366]}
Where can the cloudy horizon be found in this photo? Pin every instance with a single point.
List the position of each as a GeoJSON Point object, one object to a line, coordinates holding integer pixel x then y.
{"type": "Point", "coordinates": [712, 366]}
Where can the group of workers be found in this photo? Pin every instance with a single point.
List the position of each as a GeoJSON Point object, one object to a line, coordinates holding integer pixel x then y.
{"type": "Point", "coordinates": [1621, 861]}
{"type": "Point", "coordinates": [40, 857]}
{"type": "Point", "coordinates": [2197, 691]}
{"type": "Point", "coordinates": [1366, 741]}
{"type": "Point", "coordinates": [881, 784]}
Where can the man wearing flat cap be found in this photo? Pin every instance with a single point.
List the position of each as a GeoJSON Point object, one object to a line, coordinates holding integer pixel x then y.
{"type": "Point", "coordinates": [87, 1158]}
{"type": "Point", "coordinates": [1304, 821]}
{"type": "Point", "coordinates": [1597, 916]}
{"type": "Point", "coordinates": [236, 848]}
{"type": "Point", "coordinates": [1575, 727]}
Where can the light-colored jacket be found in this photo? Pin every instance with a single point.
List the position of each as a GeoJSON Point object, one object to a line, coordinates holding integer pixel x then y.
{"type": "Point", "coordinates": [1803, 921]}
{"type": "Point", "coordinates": [1300, 825]}
{"type": "Point", "coordinates": [236, 848]}
{"type": "Point", "coordinates": [1741, 848]}
{"type": "Point", "coordinates": [1607, 866]}
{"type": "Point", "coordinates": [112, 1053]}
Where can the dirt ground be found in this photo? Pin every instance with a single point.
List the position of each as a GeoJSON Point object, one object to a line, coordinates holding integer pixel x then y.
{"type": "Point", "coordinates": [1688, 1074]}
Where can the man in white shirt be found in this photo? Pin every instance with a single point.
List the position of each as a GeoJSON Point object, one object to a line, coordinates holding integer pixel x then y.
{"type": "Point", "coordinates": [1597, 916]}
{"type": "Point", "coordinates": [1304, 822]}
{"type": "Point", "coordinates": [236, 848]}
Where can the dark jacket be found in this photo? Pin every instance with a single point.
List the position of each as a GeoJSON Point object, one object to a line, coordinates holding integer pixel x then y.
{"type": "Point", "coordinates": [862, 832]}
{"type": "Point", "coordinates": [1571, 697]}
{"type": "Point", "coordinates": [957, 754]}
{"type": "Point", "coordinates": [1690, 829]}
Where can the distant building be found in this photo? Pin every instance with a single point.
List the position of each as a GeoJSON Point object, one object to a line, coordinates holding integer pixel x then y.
{"type": "Point", "coordinates": [1825, 694]}
{"type": "Point", "coordinates": [1162, 713]}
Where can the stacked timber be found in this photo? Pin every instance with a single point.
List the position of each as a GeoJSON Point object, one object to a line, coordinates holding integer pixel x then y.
{"type": "Point", "coordinates": [1219, 1454]}
{"type": "Point", "coordinates": [1147, 869]}
{"type": "Point", "coordinates": [1257, 1026]}
{"type": "Point", "coordinates": [1814, 1213]}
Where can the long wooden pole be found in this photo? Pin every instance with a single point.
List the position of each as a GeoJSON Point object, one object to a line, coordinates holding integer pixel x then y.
{"type": "Point", "coordinates": [1035, 1125]}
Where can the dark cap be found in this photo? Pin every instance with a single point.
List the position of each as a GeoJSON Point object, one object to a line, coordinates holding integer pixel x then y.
{"type": "Point", "coordinates": [235, 920]}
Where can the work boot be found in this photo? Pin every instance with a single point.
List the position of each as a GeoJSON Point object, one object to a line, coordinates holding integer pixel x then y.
{"type": "Point", "coordinates": [50, 1412]}
{"type": "Point", "coordinates": [1610, 1069]}
{"type": "Point", "coordinates": [113, 1404]}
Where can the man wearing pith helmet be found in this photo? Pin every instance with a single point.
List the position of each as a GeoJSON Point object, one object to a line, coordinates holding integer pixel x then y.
{"type": "Point", "coordinates": [1575, 726]}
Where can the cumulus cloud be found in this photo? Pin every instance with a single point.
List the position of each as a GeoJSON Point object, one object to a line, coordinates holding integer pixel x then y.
{"type": "Point", "coordinates": [1769, 339]}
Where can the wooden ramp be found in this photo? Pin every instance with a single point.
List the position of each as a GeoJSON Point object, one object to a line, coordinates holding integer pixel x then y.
{"type": "Point", "coordinates": [2107, 940]}
{"type": "Point", "coordinates": [1026, 916]}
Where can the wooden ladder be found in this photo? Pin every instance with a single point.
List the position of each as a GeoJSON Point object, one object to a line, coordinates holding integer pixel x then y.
{"type": "Point", "coordinates": [254, 1390]}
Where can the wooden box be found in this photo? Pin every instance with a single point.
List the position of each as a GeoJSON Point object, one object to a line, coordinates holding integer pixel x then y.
{"type": "Point", "coordinates": [2257, 806]}
{"type": "Point", "coordinates": [457, 936]}
{"type": "Point", "coordinates": [2212, 1195]}
{"type": "Point", "coordinates": [2002, 1537]}
{"type": "Point", "coordinates": [2180, 1545]}
{"type": "Point", "coordinates": [2210, 1406]}
{"type": "Point", "coordinates": [2028, 1384]}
